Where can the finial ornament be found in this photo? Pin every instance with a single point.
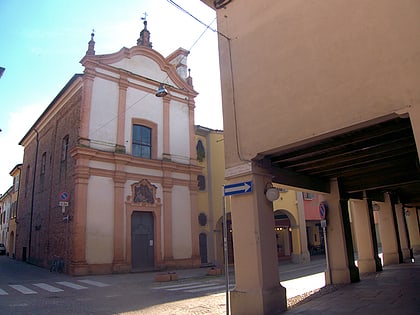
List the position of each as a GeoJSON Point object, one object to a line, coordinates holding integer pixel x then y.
{"type": "Point", "coordinates": [91, 45]}
{"type": "Point", "coordinates": [144, 39]}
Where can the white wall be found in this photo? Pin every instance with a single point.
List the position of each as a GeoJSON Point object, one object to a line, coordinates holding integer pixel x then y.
{"type": "Point", "coordinates": [181, 222]}
{"type": "Point", "coordinates": [103, 115]}
{"type": "Point", "coordinates": [99, 220]}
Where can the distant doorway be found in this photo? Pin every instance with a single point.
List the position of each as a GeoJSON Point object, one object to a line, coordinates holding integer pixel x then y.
{"type": "Point", "coordinates": [203, 247]}
{"type": "Point", "coordinates": [142, 240]}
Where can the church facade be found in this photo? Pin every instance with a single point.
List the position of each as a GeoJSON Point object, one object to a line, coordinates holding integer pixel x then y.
{"type": "Point", "coordinates": [109, 176]}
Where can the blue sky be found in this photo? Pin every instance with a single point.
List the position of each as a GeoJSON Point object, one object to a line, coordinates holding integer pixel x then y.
{"type": "Point", "coordinates": [43, 42]}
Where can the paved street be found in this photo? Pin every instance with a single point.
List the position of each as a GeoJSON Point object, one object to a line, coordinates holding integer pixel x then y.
{"type": "Point", "coordinates": [27, 289]}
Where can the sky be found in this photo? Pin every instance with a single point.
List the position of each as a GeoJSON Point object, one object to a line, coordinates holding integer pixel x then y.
{"type": "Point", "coordinates": [44, 40]}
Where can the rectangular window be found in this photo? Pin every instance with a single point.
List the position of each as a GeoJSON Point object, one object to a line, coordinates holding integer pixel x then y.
{"type": "Point", "coordinates": [43, 163]}
{"type": "Point", "coordinates": [308, 196]}
{"type": "Point", "coordinates": [64, 148]}
{"type": "Point", "coordinates": [27, 180]}
{"type": "Point", "coordinates": [142, 141]}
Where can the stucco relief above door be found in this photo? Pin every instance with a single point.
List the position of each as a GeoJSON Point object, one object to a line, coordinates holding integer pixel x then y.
{"type": "Point", "coordinates": [143, 193]}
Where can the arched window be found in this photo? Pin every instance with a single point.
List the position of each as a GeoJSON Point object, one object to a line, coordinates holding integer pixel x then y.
{"type": "Point", "coordinates": [201, 152]}
{"type": "Point", "coordinates": [201, 182]}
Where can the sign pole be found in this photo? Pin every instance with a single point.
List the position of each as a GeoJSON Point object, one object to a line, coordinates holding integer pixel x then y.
{"type": "Point", "coordinates": [225, 251]}
{"type": "Point", "coordinates": [323, 207]}
{"type": "Point", "coordinates": [327, 260]}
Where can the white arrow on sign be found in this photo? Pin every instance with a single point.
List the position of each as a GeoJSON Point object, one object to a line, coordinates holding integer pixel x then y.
{"type": "Point", "coordinates": [238, 188]}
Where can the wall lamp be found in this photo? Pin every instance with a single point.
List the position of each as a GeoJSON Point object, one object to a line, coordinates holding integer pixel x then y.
{"type": "Point", "coordinates": [161, 91]}
{"type": "Point", "coordinates": [271, 193]}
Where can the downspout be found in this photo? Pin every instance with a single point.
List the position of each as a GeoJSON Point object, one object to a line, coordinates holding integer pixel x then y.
{"type": "Point", "coordinates": [33, 193]}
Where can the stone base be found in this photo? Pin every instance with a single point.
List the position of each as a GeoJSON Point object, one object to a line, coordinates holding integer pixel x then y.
{"type": "Point", "coordinates": [390, 259]}
{"type": "Point", "coordinates": [258, 301]}
{"type": "Point", "coordinates": [366, 265]}
{"type": "Point", "coordinates": [79, 269]}
{"type": "Point", "coordinates": [303, 258]}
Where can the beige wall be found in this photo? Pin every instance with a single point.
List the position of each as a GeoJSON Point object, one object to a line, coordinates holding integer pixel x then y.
{"type": "Point", "coordinates": [370, 73]}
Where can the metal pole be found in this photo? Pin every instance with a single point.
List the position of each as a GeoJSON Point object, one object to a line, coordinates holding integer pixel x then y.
{"type": "Point", "coordinates": [33, 197]}
{"type": "Point", "coordinates": [327, 258]}
{"type": "Point", "coordinates": [225, 251]}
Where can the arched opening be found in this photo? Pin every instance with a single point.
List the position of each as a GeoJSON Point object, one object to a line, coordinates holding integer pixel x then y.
{"type": "Point", "coordinates": [284, 222]}
{"type": "Point", "coordinates": [219, 241]}
{"type": "Point", "coordinates": [202, 239]}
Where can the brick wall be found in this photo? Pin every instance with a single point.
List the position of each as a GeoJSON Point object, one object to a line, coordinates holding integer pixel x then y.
{"type": "Point", "coordinates": [54, 174]}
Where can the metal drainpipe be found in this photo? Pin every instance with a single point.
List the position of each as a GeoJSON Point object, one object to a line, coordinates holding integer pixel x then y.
{"type": "Point", "coordinates": [33, 193]}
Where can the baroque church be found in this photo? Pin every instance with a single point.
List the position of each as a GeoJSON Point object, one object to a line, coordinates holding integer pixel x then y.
{"type": "Point", "coordinates": [109, 174]}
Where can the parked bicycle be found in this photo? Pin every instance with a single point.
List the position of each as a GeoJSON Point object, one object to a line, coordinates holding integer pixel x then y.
{"type": "Point", "coordinates": [57, 265]}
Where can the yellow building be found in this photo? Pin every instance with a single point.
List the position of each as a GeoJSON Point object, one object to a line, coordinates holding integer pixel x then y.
{"type": "Point", "coordinates": [15, 173]}
{"type": "Point", "coordinates": [288, 209]}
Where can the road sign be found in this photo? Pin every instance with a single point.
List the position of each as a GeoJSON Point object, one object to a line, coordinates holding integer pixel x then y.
{"type": "Point", "coordinates": [322, 210]}
{"type": "Point", "coordinates": [64, 196]}
{"type": "Point", "coordinates": [63, 203]}
{"type": "Point", "coordinates": [238, 188]}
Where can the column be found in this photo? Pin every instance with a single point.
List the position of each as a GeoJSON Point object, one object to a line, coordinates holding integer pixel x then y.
{"type": "Point", "coordinates": [413, 229]}
{"type": "Point", "coordinates": [257, 290]}
{"type": "Point", "coordinates": [402, 233]}
{"type": "Point", "coordinates": [387, 232]}
{"type": "Point", "coordinates": [88, 77]}
{"type": "Point", "coordinates": [340, 243]}
{"type": "Point", "coordinates": [167, 216]}
{"type": "Point", "coordinates": [305, 257]}
{"type": "Point", "coordinates": [78, 265]}
{"type": "Point", "coordinates": [363, 234]}
{"type": "Point", "coordinates": [118, 264]}
{"type": "Point", "coordinates": [166, 129]}
{"type": "Point", "coordinates": [196, 258]}
{"type": "Point", "coordinates": [122, 100]}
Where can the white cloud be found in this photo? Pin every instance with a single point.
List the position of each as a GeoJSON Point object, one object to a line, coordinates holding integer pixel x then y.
{"type": "Point", "coordinates": [18, 124]}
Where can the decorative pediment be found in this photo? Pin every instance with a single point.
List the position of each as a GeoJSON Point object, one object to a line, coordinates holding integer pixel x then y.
{"type": "Point", "coordinates": [143, 193]}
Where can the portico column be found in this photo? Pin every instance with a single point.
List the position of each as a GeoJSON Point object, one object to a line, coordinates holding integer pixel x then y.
{"type": "Point", "coordinates": [387, 232]}
{"type": "Point", "coordinates": [413, 229]}
{"type": "Point", "coordinates": [363, 234]}
{"type": "Point", "coordinates": [258, 289]}
{"type": "Point", "coordinates": [340, 244]}
{"type": "Point", "coordinates": [305, 257]}
{"type": "Point", "coordinates": [402, 234]}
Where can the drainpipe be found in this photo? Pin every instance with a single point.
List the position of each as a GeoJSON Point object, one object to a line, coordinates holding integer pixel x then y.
{"type": "Point", "coordinates": [33, 193]}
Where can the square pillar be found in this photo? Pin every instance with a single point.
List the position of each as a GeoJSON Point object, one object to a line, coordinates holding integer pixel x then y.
{"type": "Point", "coordinates": [339, 241]}
{"type": "Point", "coordinates": [413, 229]}
{"type": "Point", "coordinates": [258, 289]}
{"type": "Point", "coordinates": [388, 233]}
{"type": "Point", "coordinates": [402, 232]}
{"type": "Point", "coordinates": [363, 235]}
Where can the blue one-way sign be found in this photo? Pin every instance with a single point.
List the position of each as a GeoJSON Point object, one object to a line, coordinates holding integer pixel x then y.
{"type": "Point", "coordinates": [238, 188]}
